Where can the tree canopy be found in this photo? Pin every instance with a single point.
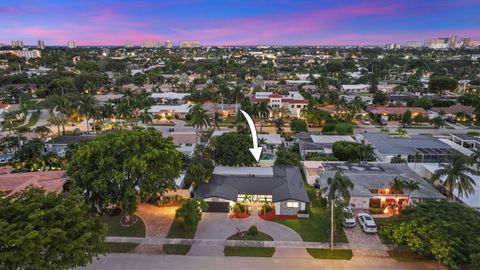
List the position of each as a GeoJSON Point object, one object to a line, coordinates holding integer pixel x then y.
{"type": "Point", "coordinates": [352, 151]}
{"type": "Point", "coordinates": [232, 149]}
{"type": "Point", "coordinates": [52, 231]}
{"type": "Point", "coordinates": [114, 168]}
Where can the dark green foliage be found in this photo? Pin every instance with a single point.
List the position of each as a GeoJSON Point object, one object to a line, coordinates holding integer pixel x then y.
{"type": "Point", "coordinates": [287, 157]}
{"type": "Point", "coordinates": [344, 129]}
{"type": "Point", "coordinates": [232, 149]}
{"type": "Point", "coordinates": [444, 230]}
{"type": "Point", "coordinates": [438, 84]}
{"type": "Point", "coordinates": [352, 151]}
{"type": "Point", "coordinates": [252, 230]}
{"type": "Point", "coordinates": [329, 127]}
{"type": "Point", "coordinates": [190, 213]}
{"type": "Point", "coordinates": [298, 125]}
{"type": "Point", "coordinates": [48, 231]}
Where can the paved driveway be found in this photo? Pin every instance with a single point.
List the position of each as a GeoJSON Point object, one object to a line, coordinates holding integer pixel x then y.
{"type": "Point", "coordinates": [157, 223]}
{"type": "Point", "coordinates": [357, 236]}
{"type": "Point", "coordinates": [219, 226]}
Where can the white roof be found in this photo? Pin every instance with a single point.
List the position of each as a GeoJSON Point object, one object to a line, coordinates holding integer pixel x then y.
{"type": "Point", "coordinates": [354, 86]}
{"type": "Point", "coordinates": [184, 108]}
{"type": "Point", "coordinates": [331, 138]}
{"type": "Point", "coordinates": [271, 138]}
{"type": "Point", "coordinates": [263, 94]}
{"type": "Point", "coordinates": [459, 148]}
{"type": "Point", "coordinates": [257, 171]}
{"type": "Point", "coordinates": [170, 95]}
{"type": "Point", "coordinates": [472, 200]}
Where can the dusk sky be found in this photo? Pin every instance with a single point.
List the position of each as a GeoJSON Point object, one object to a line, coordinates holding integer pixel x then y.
{"type": "Point", "coordinates": [217, 22]}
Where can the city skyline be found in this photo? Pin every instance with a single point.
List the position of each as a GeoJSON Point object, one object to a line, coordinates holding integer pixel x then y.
{"type": "Point", "coordinates": [231, 23]}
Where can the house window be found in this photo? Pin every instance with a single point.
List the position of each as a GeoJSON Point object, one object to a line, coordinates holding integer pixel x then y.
{"type": "Point", "coordinates": [292, 204]}
{"type": "Point", "coordinates": [299, 106]}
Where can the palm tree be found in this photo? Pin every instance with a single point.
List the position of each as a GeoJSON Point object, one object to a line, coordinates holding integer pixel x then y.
{"type": "Point", "coordinates": [396, 187]}
{"type": "Point", "coordinates": [64, 106]}
{"type": "Point", "coordinates": [42, 132]}
{"type": "Point", "coordinates": [199, 118]}
{"type": "Point", "coordinates": [339, 187]}
{"type": "Point", "coordinates": [107, 111]}
{"type": "Point", "coordinates": [146, 117]}
{"type": "Point", "coordinates": [262, 111]}
{"type": "Point", "coordinates": [85, 108]}
{"type": "Point", "coordinates": [237, 94]}
{"type": "Point", "coordinates": [457, 176]}
{"type": "Point", "coordinates": [411, 186]}
{"type": "Point", "coordinates": [56, 120]}
{"type": "Point", "coordinates": [475, 156]}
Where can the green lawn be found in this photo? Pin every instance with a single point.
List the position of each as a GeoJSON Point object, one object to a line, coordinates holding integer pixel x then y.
{"type": "Point", "coordinates": [115, 229]}
{"type": "Point", "coordinates": [250, 251]}
{"type": "Point", "coordinates": [33, 119]}
{"type": "Point", "coordinates": [403, 254]}
{"type": "Point", "coordinates": [316, 228]}
{"type": "Point", "coordinates": [178, 231]}
{"type": "Point", "coordinates": [337, 254]}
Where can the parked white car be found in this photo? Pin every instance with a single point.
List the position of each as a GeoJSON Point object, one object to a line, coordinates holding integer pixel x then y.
{"type": "Point", "coordinates": [366, 121]}
{"type": "Point", "coordinates": [367, 223]}
{"type": "Point", "coordinates": [349, 217]}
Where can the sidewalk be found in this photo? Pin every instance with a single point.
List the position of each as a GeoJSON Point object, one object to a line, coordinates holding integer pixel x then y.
{"type": "Point", "coordinates": [243, 243]}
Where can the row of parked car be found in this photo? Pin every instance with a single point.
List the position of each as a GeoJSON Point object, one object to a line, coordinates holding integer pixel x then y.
{"type": "Point", "coordinates": [364, 220]}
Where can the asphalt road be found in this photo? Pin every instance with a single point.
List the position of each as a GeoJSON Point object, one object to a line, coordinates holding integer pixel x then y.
{"type": "Point", "coordinates": [146, 262]}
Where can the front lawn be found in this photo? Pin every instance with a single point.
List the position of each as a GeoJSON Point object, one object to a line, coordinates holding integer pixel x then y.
{"type": "Point", "coordinates": [316, 228]}
{"type": "Point", "coordinates": [178, 231]}
{"type": "Point", "coordinates": [115, 229]}
{"type": "Point", "coordinates": [403, 254]}
{"type": "Point", "coordinates": [336, 254]}
{"type": "Point", "coordinates": [250, 251]}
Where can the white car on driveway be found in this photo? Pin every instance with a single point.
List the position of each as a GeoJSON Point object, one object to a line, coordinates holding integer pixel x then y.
{"type": "Point", "coordinates": [367, 223]}
{"type": "Point", "coordinates": [349, 221]}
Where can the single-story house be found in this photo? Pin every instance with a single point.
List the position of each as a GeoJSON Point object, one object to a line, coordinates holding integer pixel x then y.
{"type": "Point", "coordinates": [179, 111]}
{"type": "Point", "coordinates": [397, 112]}
{"type": "Point", "coordinates": [168, 97]}
{"type": "Point", "coordinates": [60, 144]}
{"type": "Point", "coordinates": [318, 144]}
{"type": "Point", "coordinates": [465, 140]}
{"type": "Point", "coordinates": [454, 110]}
{"type": "Point", "coordinates": [185, 141]}
{"type": "Point", "coordinates": [415, 148]}
{"type": "Point", "coordinates": [355, 88]}
{"type": "Point", "coordinates": [281, 185]}
{"type": "Point", "coordinates": [50, 181]}
{"type": "Point", "coordinates": [372, 183]}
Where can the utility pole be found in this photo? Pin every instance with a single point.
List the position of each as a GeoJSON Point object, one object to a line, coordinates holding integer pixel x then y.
{"type": "Point", "coordinates": [331, 226]}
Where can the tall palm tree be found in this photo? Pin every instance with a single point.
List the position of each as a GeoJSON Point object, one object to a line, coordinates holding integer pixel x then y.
{"type": "Point", "coordinates": [107, 111]}
{"type": "Point", "coordinates": [339, 187]}
{"type": "Point", "coordinates": [56, 120]}
{"type": "Point", "coordinates": [199, 118]}
{"type": "Point", "coordinates": [85, 108]}
{"type": "Point", "coordinates": [411, 186]}
{"type": "Point", "coordinates": [237, 94]}
{"type": "Point", "coordinates": [457, 176]}
{"type": "Point", "coordinates": [65, 107]}
{"type": "Point", "coordinates": [42, 132]}
{"type": "Point", "coordinates": [262, 111]}
{"type": "Point", "coordinates": [146, 117]}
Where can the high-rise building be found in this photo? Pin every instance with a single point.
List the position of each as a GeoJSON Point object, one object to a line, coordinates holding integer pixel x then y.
{"type": "Point", "coordinates": [129, 44]}
{"type": "Point", "coordinates": [168, 44]}
{"type": "Point", "coordinates": [71, 44]}
{"type": "Point", "coordinates": [466, 41]}
{"type": "Point", "coordinates": [414, 44]}
{"type": "Point", "coordinates": [190, 44]}
{"type": "Point", "coordinates": [17, 44]}
{"type": "Point", "coordinates": [150, 44]}
{"type": "Point", "coordinates": [452, 41]}
{"type": "Point", "coordinates": [40, 45]}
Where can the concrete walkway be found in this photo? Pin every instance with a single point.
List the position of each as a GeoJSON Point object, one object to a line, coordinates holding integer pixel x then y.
{"type": "Point", "coordinates": [243, 243]}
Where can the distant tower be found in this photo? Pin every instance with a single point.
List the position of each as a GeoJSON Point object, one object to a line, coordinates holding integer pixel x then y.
{"type": "Point", "coordinates": [168, 44]}
{"type": "Point", "coordinates": [17, 44]}
{"type": "Point", "coordinates": [129, 44]}
{"type": "Point", "coordinates": [40, 45]}
{"type": "Point", "coordinates": [71, 44]}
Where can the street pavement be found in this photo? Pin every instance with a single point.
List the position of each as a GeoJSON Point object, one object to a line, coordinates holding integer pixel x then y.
{"type": "Point", "coordinates": [130, 261]}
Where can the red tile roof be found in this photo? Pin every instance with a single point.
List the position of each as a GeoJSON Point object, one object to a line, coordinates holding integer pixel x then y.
{"type": "Point", "coordinates": [50, 181]}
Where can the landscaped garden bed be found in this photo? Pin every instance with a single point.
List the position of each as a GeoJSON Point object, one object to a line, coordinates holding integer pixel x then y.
{"type": "Point", "coordinates": [251, 234]}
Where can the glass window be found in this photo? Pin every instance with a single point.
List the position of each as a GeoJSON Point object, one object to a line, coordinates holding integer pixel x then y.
{"type": "Point", "coordinates": [292, 204]}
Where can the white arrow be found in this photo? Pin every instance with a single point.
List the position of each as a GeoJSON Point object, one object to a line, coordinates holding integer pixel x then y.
{"type": "Point", "coordinates": [256, 151]}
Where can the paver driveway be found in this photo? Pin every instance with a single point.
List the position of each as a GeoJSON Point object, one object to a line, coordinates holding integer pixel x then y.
{"type": "Point", "coordinates": [157, 223]}
{"type": "Point", "coordinates": [219, 226]}
{"type": "Point", "coordinates": [357, 236]}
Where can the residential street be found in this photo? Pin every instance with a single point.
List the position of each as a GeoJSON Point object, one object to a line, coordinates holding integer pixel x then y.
{"type": "Point", "coordinates": [146, 262]}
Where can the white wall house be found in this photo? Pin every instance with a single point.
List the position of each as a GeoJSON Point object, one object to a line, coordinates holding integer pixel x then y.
{"type": "Point", "coordinates": [294, 101]}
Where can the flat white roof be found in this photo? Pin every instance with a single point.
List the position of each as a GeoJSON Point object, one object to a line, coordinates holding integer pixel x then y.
{"type": "Point", "coordinates": [170, 95]}
{"type": "Point", "coordinates": [258, 171]}
{"type": "Point", "coordinates": [184, 108]}
{"type": "Point", "coordinates": [459, 148]}
{"type": "Point", "coordinates": [354, 86]}
{"type": "Point", "coordinates": [331, 138]}
{"type": "Point", "coordinates": [271, 138]}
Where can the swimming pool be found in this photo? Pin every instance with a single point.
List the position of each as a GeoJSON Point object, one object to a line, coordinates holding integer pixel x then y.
{"type": "Point", "coordinates": [4, 158]}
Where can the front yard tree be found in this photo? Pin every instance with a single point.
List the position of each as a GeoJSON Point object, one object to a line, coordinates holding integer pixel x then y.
{"type": "Point", "coordinates": [115, 168]}
{"type": "Point", "coordinates": [232, 149]}
{"type": "Point", "coordinates": [444, 230]}
{"type": "Point", "coordinates": [191, 212]}
{"type": "Point", "coordinates": [51, 231]}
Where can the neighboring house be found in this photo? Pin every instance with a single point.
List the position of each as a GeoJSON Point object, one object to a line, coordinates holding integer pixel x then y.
{"type": "Point", "coordinates": [4, 109]}
{"type": "Point", "coordinates": [465, 140]}
{"type": "Point", "coordinates": [318, 144]}
{"type": "Point", "coordinates": [50, 181]}
{"type": "Point", "coordinates": [179, 111]}
{"type": "Point", "coordinates": [366, 99]}
{"type": "Point", "coordinates": [281, 185]}
{"type": "Point", "coordinates": [355, 88]}
{"type": "Point", "coordinates": [372, 183]}
{"type": "Point", "coordinates": [397, 112]}
{"type": "Point", "coordinates": [108, 98]}
{"type": "Point", "coordinates": [414, 149]}
{"type": "Point", "coordinates": [453, 111]}
{"type": "Point", "coordinates": [185, 141]}
{"type": "Point", "coordinates": [60, 144]}
{"type": "Point", "coordinates": [294, 101]}
{"type": "Point", "coordinates": [170, 97]}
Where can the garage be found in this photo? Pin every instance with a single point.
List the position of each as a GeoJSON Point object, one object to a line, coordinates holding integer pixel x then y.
{"type": "Point", "coordinates": [218, 207]}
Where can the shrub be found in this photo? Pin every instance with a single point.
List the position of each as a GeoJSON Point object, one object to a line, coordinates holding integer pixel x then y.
{"type": "Point", "coordinates": [191, 212]}
{"type": "Point", "coordinates": [298, 125]}
{"type": "Point", "coordinates": [329, 127]}
{"type": "Point", "coordinates": [267, 208]}
{"type": "Point", "coordinates": [344, 128]}
{"type": "Point", "coordinates": [352, 151]}
{"type": "Point", "coordinates": [252, 230]}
